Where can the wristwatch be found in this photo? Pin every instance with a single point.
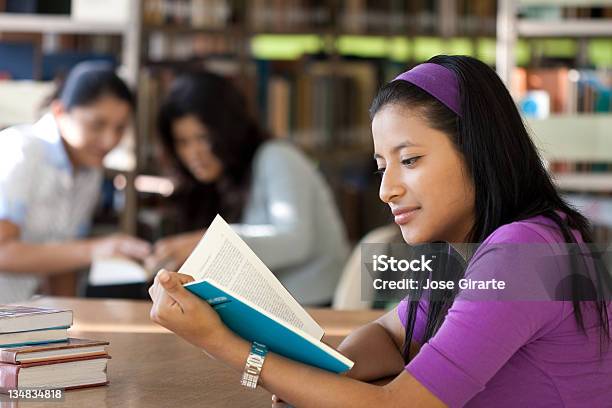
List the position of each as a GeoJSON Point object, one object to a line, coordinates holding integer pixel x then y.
{"type": "Point", "coordinates": [253, 366]}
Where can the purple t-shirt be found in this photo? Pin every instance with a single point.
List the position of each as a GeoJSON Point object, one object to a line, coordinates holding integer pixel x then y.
{"type": "Point", "coordinates": [513, 353]}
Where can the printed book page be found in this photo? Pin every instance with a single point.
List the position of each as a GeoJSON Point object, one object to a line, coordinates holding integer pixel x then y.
{"type": "Point", "coordinates": [223, 257]}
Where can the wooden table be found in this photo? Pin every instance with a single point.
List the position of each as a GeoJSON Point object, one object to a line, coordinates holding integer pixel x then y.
{"type": "Point", "coordinates": [152, 367]}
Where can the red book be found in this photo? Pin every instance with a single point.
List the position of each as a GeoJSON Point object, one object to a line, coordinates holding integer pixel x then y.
{"type": "Point", "coordinates": [53, 351]}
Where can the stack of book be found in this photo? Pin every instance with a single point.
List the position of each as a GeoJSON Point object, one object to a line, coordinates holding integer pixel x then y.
{"type": "Point", "coordinates": [36, 352]}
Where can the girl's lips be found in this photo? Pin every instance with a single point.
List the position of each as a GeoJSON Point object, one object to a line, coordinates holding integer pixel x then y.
{"type": "Point", "coordinates": [403, 216]}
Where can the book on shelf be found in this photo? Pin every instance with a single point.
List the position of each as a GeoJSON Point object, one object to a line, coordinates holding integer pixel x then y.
{"type": "Point", "coordinates": [420, 16]}
{"type": "Point", "coordinates": [252, 302]}
{"type": "Point", "coordinates": [319, 105]}
{"type": "Point", "coordinates": [570, 90]}
{"type": "Point", "coordinates": [188, 13]}
{"type": "Point", "coordinates": [363, 16]}
{"type": "Point", "coordinates": [560, 11]}
{"type": "Point", "coordinates": [477, 16]}
{"type": "Point", "coordinates": [161, 47]}
{"type": "Point", "coordinates": [279, 94]}
{"type": "Point", "coordinates": [69, 349]}
{"type": "Point", "coordinates": [275, 15]}
{"type": "Point", "coordinates": [566, 166]}
{"type": "Point", "coordinates": [351, 16]}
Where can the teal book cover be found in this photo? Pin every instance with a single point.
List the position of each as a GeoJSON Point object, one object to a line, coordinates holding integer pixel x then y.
{"type": "Point", "coordinates": [253, 324]}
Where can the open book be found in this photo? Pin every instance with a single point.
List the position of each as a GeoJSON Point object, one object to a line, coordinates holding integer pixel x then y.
{"type": "Point", "coordinates": [117, 271]}
{"type": "Point", "coordinates": [252, 302]}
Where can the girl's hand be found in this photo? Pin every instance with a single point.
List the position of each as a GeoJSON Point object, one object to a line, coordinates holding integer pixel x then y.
{"type": "Point", "coordinates": [173, 251]}
{"type": "Point", "coordinates": [120, 245]}
{"type": "Point", "coordinates": [180, 311]}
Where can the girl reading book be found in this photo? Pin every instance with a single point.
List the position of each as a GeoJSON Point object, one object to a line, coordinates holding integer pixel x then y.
{"type": "Point", "coordinates": [457, 166]}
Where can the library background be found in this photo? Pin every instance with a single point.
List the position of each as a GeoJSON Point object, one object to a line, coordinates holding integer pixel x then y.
{"type": "Point", "coordinates": [310, 69]}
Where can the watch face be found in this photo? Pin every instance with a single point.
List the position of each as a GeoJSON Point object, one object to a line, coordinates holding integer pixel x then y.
{"type": "Point", "coordinates": [253, 366]}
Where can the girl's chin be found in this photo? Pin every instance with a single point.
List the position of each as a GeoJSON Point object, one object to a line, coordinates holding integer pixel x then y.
{"type": "Point", "coordinates": [412, 236]}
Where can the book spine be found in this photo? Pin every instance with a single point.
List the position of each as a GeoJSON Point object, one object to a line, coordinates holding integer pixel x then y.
{"type": "Point", "coordinates": [8, 377]}
{"type": "Point", "coordinates": [8, 356]}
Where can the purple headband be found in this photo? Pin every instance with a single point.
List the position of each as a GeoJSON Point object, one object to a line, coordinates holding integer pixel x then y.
{"type": "Point", "coordinates": [438, 81]}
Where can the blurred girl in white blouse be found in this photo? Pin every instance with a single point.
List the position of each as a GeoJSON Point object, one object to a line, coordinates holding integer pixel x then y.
{"type": "Point", "coordinates": [50, 177]}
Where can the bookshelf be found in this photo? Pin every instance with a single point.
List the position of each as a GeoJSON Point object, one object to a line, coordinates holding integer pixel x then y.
{"type": "Point", "coordinates": [388, 37]}
{"type": "Point", "coordinates": [575, 140]}
{"type": "Point", "coordinates": [52, 24]}
{"type": "Point", "coordinates": [510, 28]}
{"type": "Point", "coordinates": [273, 50]}
{"type": "Point", "coordinates": [299, 61]}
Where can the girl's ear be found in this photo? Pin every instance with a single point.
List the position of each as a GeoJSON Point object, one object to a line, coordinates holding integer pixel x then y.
{"type": "Point", "coordinates": [57, 108]}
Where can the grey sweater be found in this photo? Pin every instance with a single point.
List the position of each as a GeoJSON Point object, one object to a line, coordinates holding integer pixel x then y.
{"type": "Point", "coordinates": [291, 222]}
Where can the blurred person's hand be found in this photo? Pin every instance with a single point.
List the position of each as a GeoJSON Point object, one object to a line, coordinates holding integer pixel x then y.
{"type": "Point", "coordinates": [120, 245]}
{"type": "Point", "coordinates": [170, 253]}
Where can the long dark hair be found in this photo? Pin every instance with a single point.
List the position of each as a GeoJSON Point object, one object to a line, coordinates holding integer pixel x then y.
{"type": "Point", "coordinates": [510, 180]}
{"type": "Point", "coordinates": [234, 135]}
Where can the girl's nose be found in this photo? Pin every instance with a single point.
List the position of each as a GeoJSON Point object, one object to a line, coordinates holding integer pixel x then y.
{"type": "Point", "coordinates": [391, 187]}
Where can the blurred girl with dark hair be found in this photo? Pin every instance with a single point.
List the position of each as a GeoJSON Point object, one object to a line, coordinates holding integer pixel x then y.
{"type": "Point", "coordinates": [277, 201]}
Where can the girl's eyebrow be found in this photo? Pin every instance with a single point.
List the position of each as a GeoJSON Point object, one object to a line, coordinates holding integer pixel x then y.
{"type": "Point", "coordinates": [395, 149]}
